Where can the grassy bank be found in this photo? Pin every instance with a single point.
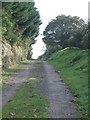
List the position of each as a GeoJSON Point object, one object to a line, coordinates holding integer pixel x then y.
{"type": "Point", "coordinates": [27, 103]}
{"type": "Point", "coordinates": [72, 64]}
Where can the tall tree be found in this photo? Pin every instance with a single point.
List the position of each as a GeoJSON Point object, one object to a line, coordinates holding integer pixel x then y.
{"type": "Point", "coordinates": [20, 22]}
{"type": "Point", "coordinates": [65, 31]}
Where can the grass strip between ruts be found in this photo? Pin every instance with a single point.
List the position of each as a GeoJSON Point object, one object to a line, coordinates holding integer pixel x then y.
{"type": "Point", "coordinates": [27, 103]}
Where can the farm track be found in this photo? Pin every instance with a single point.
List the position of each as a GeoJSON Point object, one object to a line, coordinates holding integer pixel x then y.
{"type": "Point", "coordinates": [50, 84]}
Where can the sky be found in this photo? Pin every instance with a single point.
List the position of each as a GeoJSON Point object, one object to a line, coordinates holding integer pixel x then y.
{"type": "Point", "coordinates": [49, 9]}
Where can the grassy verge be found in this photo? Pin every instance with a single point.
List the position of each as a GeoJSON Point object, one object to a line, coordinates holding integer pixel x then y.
{"type": "Point", "coordinates": [27, 103]}
{"type": "Point", "coordinates": [25, 62]}
{"type": "Point", "coordinates": [6, 73]}
{"type": "Point", "coordinates": [72, 64]}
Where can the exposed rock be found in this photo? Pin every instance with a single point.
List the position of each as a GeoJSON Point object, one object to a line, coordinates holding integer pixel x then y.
{"type": "Point", "coordinates": [11, 55]}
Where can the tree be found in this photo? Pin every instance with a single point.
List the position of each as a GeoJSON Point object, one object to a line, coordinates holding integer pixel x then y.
{"type": "Point", "coordinates": [65, 31]}
{"type": "Point", "coordinates": [20, 22]}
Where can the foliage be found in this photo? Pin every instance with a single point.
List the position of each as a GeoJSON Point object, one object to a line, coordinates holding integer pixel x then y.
{"type": "Point", "coordinates": [72, 65]}
{"type": "Point", "coordinates": [20, 22]}
{"type": "Point", "coordinates": [66, 31]}
{"type": "Point", "coordinates": [28, 55]}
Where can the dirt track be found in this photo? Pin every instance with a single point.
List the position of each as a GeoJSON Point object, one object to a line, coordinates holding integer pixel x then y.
{"type": "Point", "coordinates": [61, 101]}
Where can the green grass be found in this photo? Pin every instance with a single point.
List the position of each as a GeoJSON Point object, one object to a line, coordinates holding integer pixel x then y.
{"type": "Point", "coordinates": [7, 72]}
{"type": "Point", "coordinates": [25, 62]}
{"type": "Point", "coordinates": [72, 64]}
{"type": "Point", "coordinates": [27, 103]}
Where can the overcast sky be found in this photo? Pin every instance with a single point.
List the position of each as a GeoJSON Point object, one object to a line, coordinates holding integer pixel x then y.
{"type": "Point", "coordinates": [49, 9]}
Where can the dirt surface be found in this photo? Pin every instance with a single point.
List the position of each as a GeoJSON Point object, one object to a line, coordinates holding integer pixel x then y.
{"type": "Point", "coordinates": [61, 101]}
{"type": "Point", "coordinates": [12, 85]}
